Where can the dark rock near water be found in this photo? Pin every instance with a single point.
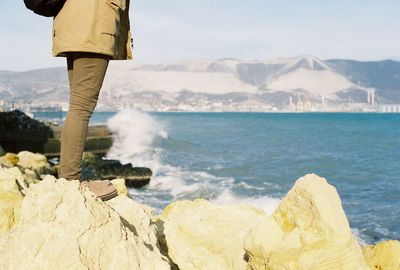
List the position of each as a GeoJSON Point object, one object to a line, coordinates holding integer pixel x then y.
{"type": "Point", "coordinates": [17, 120]}
{"type": "Point", "coordinates": [134, 176]}
{"type": "Point", "coordinates": [19, 132]}
{"type": "Point", "coordinates": [95, 167]}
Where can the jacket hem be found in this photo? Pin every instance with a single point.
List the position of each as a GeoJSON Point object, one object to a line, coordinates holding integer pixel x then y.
{"type": "Point", "coordinates": [61, 52]}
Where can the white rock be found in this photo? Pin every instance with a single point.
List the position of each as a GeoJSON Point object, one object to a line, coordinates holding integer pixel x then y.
{"type": "Point", "coordinates": [313, 232]}
{"type": "Point", "coordinates": [200, 235]}
{"type": "Point", "coordinates": [32, 161]}
{"type": "Point", "coordinates": [64, 227]}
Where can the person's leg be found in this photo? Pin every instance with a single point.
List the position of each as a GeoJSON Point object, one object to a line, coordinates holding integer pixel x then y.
{"type": "Point", "coordinates": [86, 73]}
{"type": "Point", "coordinates": [70, 68]}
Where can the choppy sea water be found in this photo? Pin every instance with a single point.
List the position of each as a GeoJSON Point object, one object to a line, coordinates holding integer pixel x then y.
{"type": "Point", "coordinates": [256, 158]}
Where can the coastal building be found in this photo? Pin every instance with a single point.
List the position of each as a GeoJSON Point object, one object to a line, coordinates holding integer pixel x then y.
{"type": "Point", "coordinates": [389, 108]}
{"type": "Point", "coordinates": [371, 97]}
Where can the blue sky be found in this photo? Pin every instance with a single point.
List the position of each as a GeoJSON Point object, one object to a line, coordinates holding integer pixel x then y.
{"type": "Point", "coordinates": [169, 30]}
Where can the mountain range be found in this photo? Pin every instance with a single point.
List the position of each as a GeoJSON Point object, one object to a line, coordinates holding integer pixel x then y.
{"type": "Point", "coordinates": [276, 81]}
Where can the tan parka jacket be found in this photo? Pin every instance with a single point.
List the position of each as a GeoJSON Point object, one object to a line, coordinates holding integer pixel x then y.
{"type": "Point", "coordinates": [98, 26]}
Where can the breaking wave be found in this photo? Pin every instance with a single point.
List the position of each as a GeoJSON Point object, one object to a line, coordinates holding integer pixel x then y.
{"type": "Point", "coordinates": [138, 139]}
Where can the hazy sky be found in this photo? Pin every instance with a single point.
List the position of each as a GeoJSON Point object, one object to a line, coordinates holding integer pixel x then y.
{"type": "Point", "coordinates": [169, 30]}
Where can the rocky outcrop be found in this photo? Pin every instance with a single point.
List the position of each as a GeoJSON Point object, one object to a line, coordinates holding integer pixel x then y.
{"type": "Point", "coordinates": [309, 230]}
{"type": "Point", "coordinates": [63, 227]}
{"type": "Point", "coordinates": [95, 167]}
{"type": "Point", "coordinates": [201, 235]}
{"type": "Point", "coordinates": [135, 177]}
{"type": "Point", "coordinates": [35, 162]}
{"type": "Point", "coordinates": [19, 121]}
{"type": "Point", "coordinates": [15, 181]}
{"type": "Point", "coordinates": [57, 224]}
{"type": "Point", "coordinates": [32, 165]}
{"type": "Point", "coordinates": [383, 256]}
{"type": "Point", "coordinates": [20, 132]}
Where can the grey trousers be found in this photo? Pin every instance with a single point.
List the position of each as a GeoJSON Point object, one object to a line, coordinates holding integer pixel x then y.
{"type": "Point", "coordinates": [86, 73]}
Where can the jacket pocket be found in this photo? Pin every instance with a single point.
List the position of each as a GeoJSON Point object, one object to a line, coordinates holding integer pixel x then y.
{"type": "Point", "coordinates": [111, 18]}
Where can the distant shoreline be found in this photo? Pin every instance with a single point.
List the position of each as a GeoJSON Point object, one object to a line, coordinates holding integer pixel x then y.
{"type": "Point", "coordinates": [270, 112]}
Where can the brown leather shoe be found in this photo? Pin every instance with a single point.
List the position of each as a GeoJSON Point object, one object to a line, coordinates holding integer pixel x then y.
{"type": "Point", "coordinates": [103, 189]}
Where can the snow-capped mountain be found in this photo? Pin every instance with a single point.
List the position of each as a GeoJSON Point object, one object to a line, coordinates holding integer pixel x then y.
{"type": "Point", "coordinates": [193, 75]}
{"type": "Point", "coordinates": [230, 75]}
{"type": "Point", "coordinates": [275, 81]}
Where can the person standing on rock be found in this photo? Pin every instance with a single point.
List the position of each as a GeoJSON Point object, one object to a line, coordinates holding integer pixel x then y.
{"type": "Point", "coordinates": [89, 34]}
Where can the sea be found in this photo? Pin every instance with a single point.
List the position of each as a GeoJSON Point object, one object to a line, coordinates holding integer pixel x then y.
{"type": "Point", "coordinates": [256, 158]}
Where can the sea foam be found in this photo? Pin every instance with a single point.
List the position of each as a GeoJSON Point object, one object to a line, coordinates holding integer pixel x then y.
{"type": "Point", "coordinates": [266, 203]}
{"type": "Point", "coordinates": [137, 135]}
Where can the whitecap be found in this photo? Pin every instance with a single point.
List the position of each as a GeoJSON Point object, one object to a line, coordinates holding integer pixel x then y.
{"type": "Point", "coordinates": [266, 203]}
{"type": "Point", "coordinates": [135, 134]}
{"type": "Point", "coordinates": [248, 186]}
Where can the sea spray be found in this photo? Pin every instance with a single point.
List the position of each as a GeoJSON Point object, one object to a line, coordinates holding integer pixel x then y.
{"type": "Point", "coordinates": [138, 139]}
{"type": "Point", "coordinates": [135, 133]}
{"type": "Point", "coordinates": [266, 203]}
{"type": "Point", "coordinates": [135, 136]}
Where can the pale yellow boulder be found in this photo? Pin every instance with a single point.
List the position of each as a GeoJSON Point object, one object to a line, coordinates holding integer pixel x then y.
{"type": "Point", "coordinates": [313, 232]}
{"type": "Point", "coordinates": [383, 256]}
{"type": "Point", "coordinates": [32, 160]}
{"type": "Point", "coordinates": [139, 218]}
{"type": "Point", "coordinates": [9, 160]}
{"type": "Point", "coordinates": [120, 186]}
{"type": "Point", "coordinates": [10, 199]}
{"type": "Point", "coordinates": [200, 235]}
{"type": "Point", "coordinates": [65, 227]}
{"type": "Point", "coordinates": [36, 162]}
